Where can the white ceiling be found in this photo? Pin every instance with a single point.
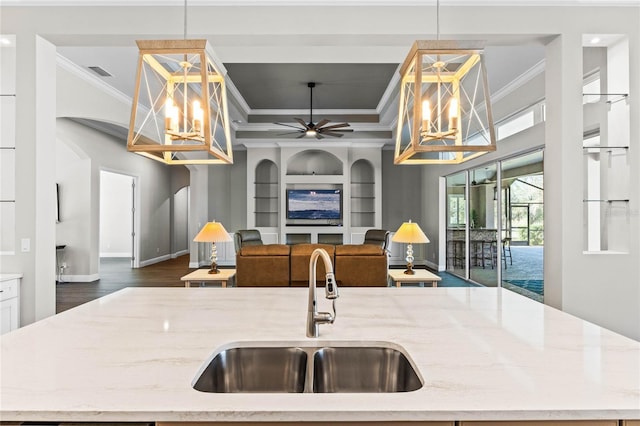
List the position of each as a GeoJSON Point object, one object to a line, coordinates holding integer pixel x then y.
{"type": "Point", "coordinates": [327, 3]}
{"type": "Point", "coordinates": [356, 71]}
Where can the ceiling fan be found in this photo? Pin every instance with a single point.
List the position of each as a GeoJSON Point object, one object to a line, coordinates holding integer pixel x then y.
{"type": "Point", "coordinates": [319, 129]}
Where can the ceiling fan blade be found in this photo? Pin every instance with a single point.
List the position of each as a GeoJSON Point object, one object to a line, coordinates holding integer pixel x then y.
{"type": "Point", "coordinates": [301, 121]}
{"type": "Point", "coordinates": [304, 134]}
{"type": "Point", "coordinates": [325, 130]}
{"type": "Point", "coordinates": [319, 136]}
{"type": "Point", "coordinates": [289, 125]}
{"type": "Point", "coordinates": [321, 123]}
{"type": "Point", "coordinates": [333, 134]}
{"type": "Point", "coordinates": [291, 133]}
{"type": "Point", "coordinates": [336, 126]}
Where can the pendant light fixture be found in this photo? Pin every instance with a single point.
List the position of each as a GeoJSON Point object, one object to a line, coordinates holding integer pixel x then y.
{"type": "Point", "coordinates": [444, 114]}
{"type": "Point", "coordinates": [179, 113]}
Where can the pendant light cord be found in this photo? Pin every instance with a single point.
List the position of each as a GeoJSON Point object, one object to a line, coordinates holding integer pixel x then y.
{"type": "Point", "coordinates": [185, 19]}
{"type": "Point", "coordinates": [437, 19]}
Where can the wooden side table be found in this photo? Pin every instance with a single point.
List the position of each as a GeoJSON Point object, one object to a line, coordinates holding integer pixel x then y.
{"type": "Point", "coordinates": [421, 276]}
{"type": "Point", "coordinates": [203, 275]}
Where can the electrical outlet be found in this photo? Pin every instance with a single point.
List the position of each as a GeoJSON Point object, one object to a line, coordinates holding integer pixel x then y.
{"type": "Point", "coordinates": [158, 250]}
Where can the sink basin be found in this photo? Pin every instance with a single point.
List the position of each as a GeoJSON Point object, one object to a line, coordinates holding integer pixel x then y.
{"type": "Point", "coordinates": [292, 368]}
{"type": "Point", "coordinates": [363, 369]}
{"type": "Point", "coordinates": [251, 369]}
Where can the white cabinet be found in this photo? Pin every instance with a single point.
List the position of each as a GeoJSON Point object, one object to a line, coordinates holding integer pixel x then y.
{"type": "Point", "coordinates": [9, 302]}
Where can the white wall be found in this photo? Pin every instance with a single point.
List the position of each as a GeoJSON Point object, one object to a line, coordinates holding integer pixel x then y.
{"type": "Point", "coordinates": [73, 175]}
{"type": "Point", "coordinates": [116, 214]}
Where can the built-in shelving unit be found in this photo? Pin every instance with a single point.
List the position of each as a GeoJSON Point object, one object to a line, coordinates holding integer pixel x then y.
{"type": "Point", "coordinates": [606, 172]}
{"type": "Point", "coordinates": [363, 206]}
{"type": "Point", "coordinates": [266, 194]}
{"type": "Point", "coordinates": [355, 171]}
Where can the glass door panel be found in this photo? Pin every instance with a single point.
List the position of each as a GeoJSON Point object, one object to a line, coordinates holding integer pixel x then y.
{"type": "Point", "coordinates": [522, 236]}
{"type": "Point", "coordinates": [483, 218]}
{"type": "Point", "coordinates": [456, 224]}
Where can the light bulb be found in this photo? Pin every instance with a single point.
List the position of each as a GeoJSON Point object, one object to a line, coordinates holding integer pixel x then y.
{"type": "Point", "coordinates": [453, 114]}
{"type": "Point", "coordinates": [170, 115]}
{"type": "Point", "coordinates": [311, 132]}
{"type": "Point", "coordinates": [426, 116]}
{"type": "Point", "coordinates": [198, 115]}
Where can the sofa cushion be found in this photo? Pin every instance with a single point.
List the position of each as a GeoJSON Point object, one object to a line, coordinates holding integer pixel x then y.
{"type": "Point", "coordinates": [265, 250]}
{"type": "Point", "coordinates": [300, 257]}
{"type": "Point", "coordinates": [359, 250]}
{"type": "Point", "coordinates": [307, 249]}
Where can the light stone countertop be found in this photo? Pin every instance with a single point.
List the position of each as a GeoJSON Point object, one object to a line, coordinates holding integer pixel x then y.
{"type": "Point", "coordinates": [484, 354]}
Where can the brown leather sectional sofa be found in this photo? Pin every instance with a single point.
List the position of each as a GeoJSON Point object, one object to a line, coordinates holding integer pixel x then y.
{"type": "Point", "coordinates": [279, 265]}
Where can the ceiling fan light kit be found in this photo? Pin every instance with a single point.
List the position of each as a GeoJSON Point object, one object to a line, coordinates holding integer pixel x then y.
{"type": "Point", "coordinates": [444, 112]}
{"type": "Point", "coordinates": [320, 129]}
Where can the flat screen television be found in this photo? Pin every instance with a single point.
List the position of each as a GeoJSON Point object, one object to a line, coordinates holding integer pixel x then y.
{"type": "Point", "coordinates": [314, 204]}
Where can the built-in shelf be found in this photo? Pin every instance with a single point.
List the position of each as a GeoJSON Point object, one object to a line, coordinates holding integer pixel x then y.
{"type": "Point", "coordinates": [609, 98]}
{"type": "Point", "coordinates": [266, 194]}
{"type": "Point", "coordinates": [362, 194]}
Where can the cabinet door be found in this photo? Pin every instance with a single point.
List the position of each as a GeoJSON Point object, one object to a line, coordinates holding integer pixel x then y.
{"type": "Point", "coordinates": [8, 315]}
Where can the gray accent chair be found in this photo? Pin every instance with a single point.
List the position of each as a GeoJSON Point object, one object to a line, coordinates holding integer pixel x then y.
{"type": "Point", "coordinates": [247, 237]}
{"type": "Point", "coordinates": [379, 237]}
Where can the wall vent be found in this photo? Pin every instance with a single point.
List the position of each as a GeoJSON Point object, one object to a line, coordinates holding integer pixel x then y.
{"type": "Point", "coordinates": [100, 71]}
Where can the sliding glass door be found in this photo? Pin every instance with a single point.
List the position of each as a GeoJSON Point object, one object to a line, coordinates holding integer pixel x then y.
{"type": "Point", "coordinates": [523, 225]}
{"type": "Point", "coordinates": [456, 224]}
{"type": "Point", "coordinates": [495, 228]}
{"type": "Point", "coordinates": [483, 225]}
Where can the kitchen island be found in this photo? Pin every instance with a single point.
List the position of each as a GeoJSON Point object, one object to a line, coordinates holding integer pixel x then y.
{"type": "Point", "coordinates": [483, 354]}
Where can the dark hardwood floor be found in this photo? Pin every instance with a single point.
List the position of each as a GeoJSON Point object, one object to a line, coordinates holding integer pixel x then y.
{"type": "Point", "coordinates": [116, 274]}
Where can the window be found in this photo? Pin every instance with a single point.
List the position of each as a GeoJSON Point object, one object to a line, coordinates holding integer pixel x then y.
{"type": "Point", "coordinates": [515, 125]}
{"type": "Point", "coordinates": [456, 210]}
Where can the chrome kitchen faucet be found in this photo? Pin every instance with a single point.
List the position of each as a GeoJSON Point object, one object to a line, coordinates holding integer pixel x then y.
{"type": "Point", "coordinates": [315, 318]}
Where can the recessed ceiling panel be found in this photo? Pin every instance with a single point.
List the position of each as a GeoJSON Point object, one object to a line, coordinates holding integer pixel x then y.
{"type": "Point", "coordinates": [338, 86]}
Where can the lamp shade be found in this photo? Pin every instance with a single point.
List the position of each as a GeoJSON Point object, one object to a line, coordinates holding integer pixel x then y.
{"type": "Point", "coordinates": [212, 232]}
{"type": "Point", "coordinates": [409, 232]}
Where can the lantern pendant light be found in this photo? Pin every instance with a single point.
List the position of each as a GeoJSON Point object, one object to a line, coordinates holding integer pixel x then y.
{"type": "Point", "coordinates": [179, 113]}
{"type": "Point", "coordinates": [444, 112]}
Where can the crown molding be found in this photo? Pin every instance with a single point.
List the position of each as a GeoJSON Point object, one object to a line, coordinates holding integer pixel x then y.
{"type": "Point", "coordinates": [93, 80]}
{"type": "Point", "coordinates": [519, 81]}
{"type": "Point", "coordinates": [325, 3]}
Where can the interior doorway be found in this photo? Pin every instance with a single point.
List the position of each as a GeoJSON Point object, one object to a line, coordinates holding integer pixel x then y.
{"type": "Point", "coordinates": [117, 230]}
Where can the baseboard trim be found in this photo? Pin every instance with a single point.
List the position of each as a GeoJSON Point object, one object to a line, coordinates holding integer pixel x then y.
{"type": "Point", "coordinates": [158, 259]}
{"type": "Point", "coordinates": [431, 265]}
{"type": "Point", "coordinates": [179, 253]}
{"type": "Point", "coordinates": [80, 278]}
{"type": "Point", "coordinates": [116, 255]}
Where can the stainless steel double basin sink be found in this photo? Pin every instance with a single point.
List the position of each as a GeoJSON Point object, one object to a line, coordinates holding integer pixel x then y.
{"type": "Point", "coordinates": [294, 368]}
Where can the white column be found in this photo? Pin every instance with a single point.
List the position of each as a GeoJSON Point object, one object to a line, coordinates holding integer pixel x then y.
{"type": "Point", "coordinates": [563, 164]}
{"type": "Point", "coordinates": [198, 212]}
{"type": "Point", "coordinates": [35, 177]}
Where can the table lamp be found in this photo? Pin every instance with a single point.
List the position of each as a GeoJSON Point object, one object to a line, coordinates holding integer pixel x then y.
{"type": "Point", "coordinates": [213, 232]}
{"type": "Point", "coordinates": [409, 233]}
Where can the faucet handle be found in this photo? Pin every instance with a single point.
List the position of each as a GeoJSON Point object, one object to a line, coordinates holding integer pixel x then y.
{"type": "Point", "coordinates": [331, 288]}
